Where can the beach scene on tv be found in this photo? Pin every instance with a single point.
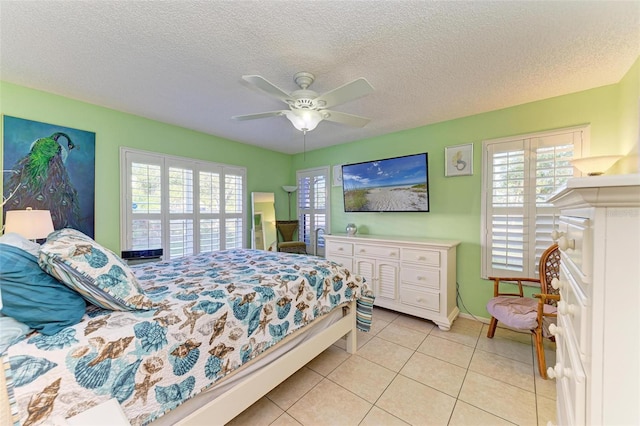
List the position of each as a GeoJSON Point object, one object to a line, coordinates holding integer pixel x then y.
{"type": "Point", "coordinates": [395, 184]}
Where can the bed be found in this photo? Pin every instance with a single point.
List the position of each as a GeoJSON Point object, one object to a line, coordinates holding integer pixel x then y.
{"type": "Point", "coordinates": [210, 334]}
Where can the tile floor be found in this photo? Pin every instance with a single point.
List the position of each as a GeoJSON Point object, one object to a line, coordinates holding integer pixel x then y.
{"type": "Point", "coordinates": [409, 372]}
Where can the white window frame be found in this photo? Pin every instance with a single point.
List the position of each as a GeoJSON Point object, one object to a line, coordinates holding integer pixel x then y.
{"type": "Point", "coordinates": [309, 237]}
{"type": "Point", "coordinates": [533, 242]}
{"type": "Point", "coordinates": [129, 155]}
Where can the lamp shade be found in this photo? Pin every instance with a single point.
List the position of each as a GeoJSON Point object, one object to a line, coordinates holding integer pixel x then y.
{"type": "Point", "coordinates": [597, 165]}
{"type": "Point", "coordinates": [29, 223]}
{"type": "Point", "coordinates": [304, 119]}
{"type": "Point", "coordinates": [290, 188]}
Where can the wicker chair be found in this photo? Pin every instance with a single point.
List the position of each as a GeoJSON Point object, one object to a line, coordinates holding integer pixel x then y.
{"type": "Point", "coordinates": [287, 229]}
{"type": "Point", "coordinates": [526, 313]}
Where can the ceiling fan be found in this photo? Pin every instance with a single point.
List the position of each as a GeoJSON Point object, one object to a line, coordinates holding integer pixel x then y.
{"type": "Point", "coordinates": [306, 107]}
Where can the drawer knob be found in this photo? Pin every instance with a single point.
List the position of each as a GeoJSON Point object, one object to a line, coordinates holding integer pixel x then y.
{"type": "Point", "coordinates": [566, 308]}
{"type": "Point", "coordinates": [422, 258]}
{"type": "Point", "coordinates": [565, 244]}
{"type": "Point", "coordinates": [557, 372]}
{"type": "Point", "coordinates": [421, 278]}
{"type": "Point", "coordinates": [555, 330]}
{"type": "Point", "coordinates": [340, 248]}
{"type": "Point", "coordinates": [392, 254]}
{"type": "Point", "coordinates": [555, 234]}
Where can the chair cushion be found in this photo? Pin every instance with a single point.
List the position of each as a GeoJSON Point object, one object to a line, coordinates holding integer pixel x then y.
{"type": "Point", "coordinates": [517, 312]}
{"type": "Point", "coordinates": [293, 247]}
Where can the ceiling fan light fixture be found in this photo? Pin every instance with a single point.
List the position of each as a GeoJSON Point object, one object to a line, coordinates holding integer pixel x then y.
{"type": "Point", "coordinates": [304, 120]}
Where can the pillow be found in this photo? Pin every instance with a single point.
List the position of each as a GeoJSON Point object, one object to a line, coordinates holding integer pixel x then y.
{"type": "Point", "coordinates": [34, 298]}
{"type": "Point", "coordinates": [21, 242]}
{"type": "Point", "coordinates": [12, 331]}
{"type": "Point", "coordinates": [95, 272]}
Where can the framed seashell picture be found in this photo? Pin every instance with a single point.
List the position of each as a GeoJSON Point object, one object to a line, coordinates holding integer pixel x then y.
{"type": "Point", "coordinates": [458, 160]}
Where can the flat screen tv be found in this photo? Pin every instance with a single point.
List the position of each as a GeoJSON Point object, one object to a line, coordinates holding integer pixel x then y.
{"type": "Point", "coordinates": [399, 184]}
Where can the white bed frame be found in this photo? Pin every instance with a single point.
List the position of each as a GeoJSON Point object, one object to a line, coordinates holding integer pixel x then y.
{"type": "Point", "coordinates": [242, 395]}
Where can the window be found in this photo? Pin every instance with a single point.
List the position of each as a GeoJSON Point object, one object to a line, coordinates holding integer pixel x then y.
{"type": "Point", "coordinates": [519, 174]}
{"type": "Point", "coordinates": [184, 206]}
{"type": "Point", "coordinates": [313, 207]}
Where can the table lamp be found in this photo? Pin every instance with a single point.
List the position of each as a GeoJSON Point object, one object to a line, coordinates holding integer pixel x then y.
{"type": "Point", "coordinates": [29, 223]}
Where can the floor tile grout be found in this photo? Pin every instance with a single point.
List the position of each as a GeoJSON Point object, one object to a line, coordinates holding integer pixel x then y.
{"type": "Point", "coordinates": [462, 331]}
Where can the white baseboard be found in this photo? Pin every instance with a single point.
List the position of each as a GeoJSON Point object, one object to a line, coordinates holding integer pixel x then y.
{"type": "Point", "coordinates": [474, 317]}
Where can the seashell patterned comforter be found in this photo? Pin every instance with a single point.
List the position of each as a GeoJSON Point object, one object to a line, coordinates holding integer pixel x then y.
{"type": "Point", "coordinates": [212, 313]}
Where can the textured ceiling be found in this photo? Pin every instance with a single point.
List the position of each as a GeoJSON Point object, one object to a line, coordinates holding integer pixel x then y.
{"type": "Point", "coordinates": [181, 62]}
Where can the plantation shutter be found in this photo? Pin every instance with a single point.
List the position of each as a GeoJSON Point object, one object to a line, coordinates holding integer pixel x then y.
{"type": "Point", "coordinates": [313, 200]}
{"type": "Point", "coordinates": [210, 194]}
{"type": "Point", "coordinates": [519, 175]}
{"type": "Point", "coordinates": [233, 209]}
{"type": "Point", "coordinates": [181, 217]}
{"type": "Point", "coordinates": [144, 203]}
{"type": "Point", "coordinates": [305, 184]}
{"type": "Point", "coordinates": [508, 209]}
{"type": "Point", "coordinates": [552, 170]}
{"type": "Point", "coordinates": [181, 205]}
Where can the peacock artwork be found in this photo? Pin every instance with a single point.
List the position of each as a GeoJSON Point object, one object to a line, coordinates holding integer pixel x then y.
{"type": "Point", "coordinates": [49, 167]}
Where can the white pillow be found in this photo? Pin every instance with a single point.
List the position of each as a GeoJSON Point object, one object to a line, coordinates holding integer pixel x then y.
{"type": "Point", "coordinates": [17, 240]}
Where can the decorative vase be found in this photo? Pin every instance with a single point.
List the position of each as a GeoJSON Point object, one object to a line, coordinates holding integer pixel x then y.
{"type": "Point", "coordinates": [351, 229]}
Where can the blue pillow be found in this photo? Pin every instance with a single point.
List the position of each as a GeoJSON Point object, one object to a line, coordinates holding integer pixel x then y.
{"type": "Point", "coordinates": [34, 297]}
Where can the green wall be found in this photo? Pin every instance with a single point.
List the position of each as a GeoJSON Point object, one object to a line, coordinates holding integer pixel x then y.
{"type": "Point", "coordinates": [455, 202]}
{"type": "Point", "coordinates": [629, 124]}
{"type": "Point", "coordinates": [266, 170]}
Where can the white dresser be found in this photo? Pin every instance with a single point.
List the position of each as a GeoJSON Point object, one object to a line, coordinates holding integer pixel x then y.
{"type": "Point", "coordinates": [416, 276]}
{"type": "Point", "coordinates": [598, 332]}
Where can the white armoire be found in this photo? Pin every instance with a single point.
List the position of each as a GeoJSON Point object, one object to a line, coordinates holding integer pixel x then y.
{"type": "Point", "coordinates": [598, 330]}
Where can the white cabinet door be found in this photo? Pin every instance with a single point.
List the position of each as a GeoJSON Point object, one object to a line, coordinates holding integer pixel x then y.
{"type": "Point", "coordinates": [382, 275]}
{"type": "Point", "coordinates": [367, 268]}
{"type": "Point", "coordinates": [387, 274]}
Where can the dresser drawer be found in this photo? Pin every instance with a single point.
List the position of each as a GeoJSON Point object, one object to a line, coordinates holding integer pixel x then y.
{"type": "Point", "coordinates": [571, 384]}
{"type": "Point", "coordinates": [577, 234]}
{"type": "Point", "coordinates": [338, 248]}
{"type": "Point", "coordinates": [347, 262]}
{"type": "Point", "coordinates": [424, 257]}
{"type": "Point", "coordinates": [418, 297]}
{"type": "Point", "coordinates": [377, 251]}
{"type": "Point", "coordinates": [574, 311]}
{"type": "Point", "coordinates": [420, 276]}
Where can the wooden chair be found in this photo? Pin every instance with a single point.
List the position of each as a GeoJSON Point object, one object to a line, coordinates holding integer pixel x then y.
{"type": "Point", "coordinates": [526, 313]}
{"type": "Point", "coordinates": [287, 229]}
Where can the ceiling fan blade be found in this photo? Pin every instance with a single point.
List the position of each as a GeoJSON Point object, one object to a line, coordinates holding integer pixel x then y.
{"type": "Point", "coordinates": [258, 115]}
{"type": "Point", "coordinates": [268, 87]}
{"type": "Point", "coordinates": [343, 118]}
{"type": "Point", "coordinates": [348, 92]}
